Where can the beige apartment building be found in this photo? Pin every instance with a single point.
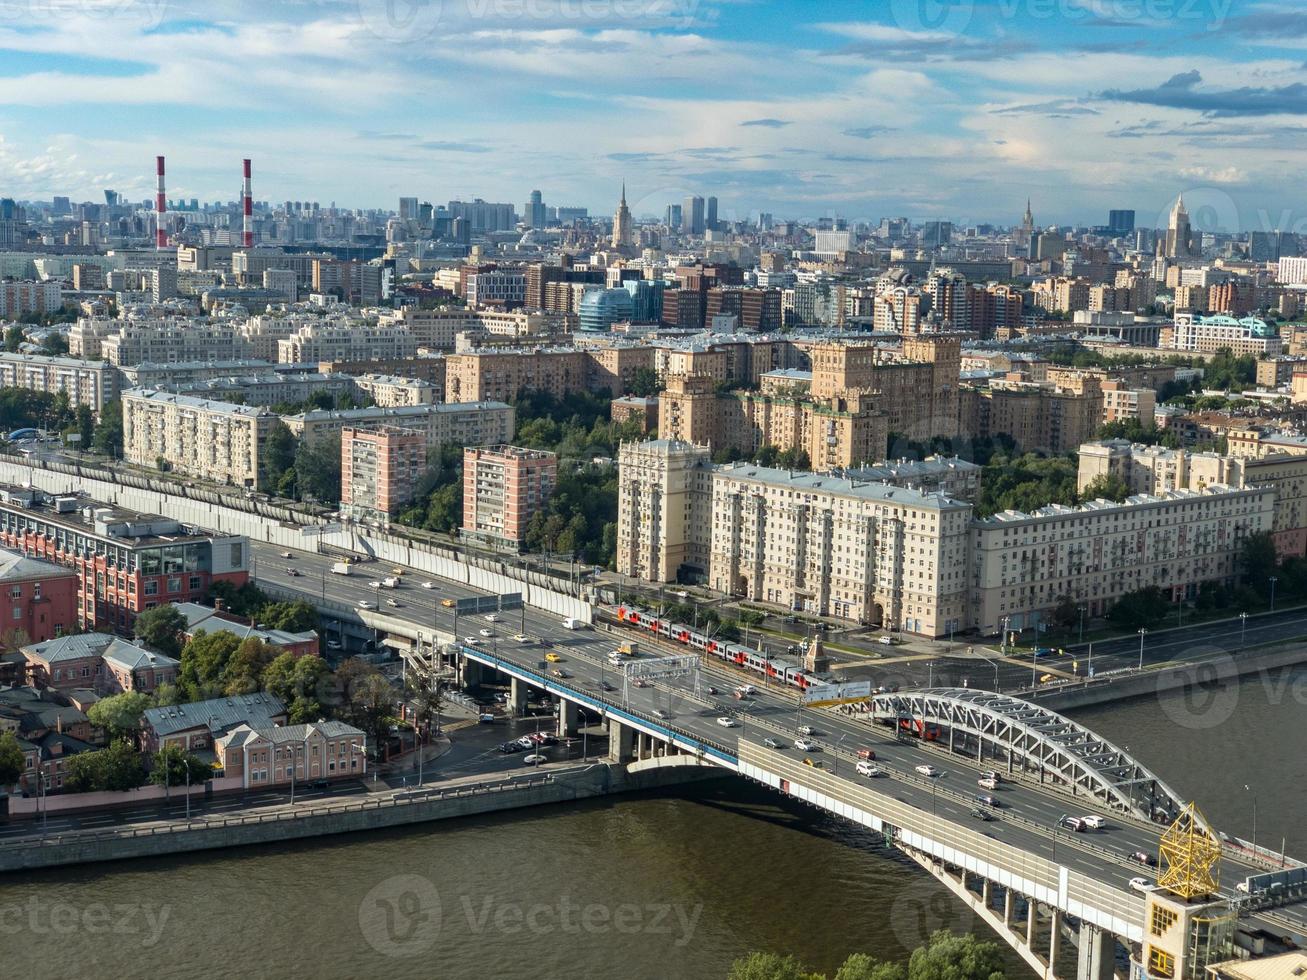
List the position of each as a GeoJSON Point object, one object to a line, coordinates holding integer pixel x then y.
{"type": "Point", "coordinates": [392, 391]}
{"type": "Point", "coordinates": [865, 552]}
{"type": "Point", "coordinates": [90, 383]}
{"type": "Point", "coordinates": [1154, 469]}
{"type": "Point", "coordinates": [498, 375]}
{"type": "Point", "coordinates": [213, 440]}
{"type": "Point", "coordinates": [917, 560]}
{"type": "Point", "coordinates": [1023, 564]}
{"type": "Point", "coordinates": [841, 431]}
{"type": "Point", "coordinates": [1036, 415]}
{"type": "Point", "coordinates": [663, 505]}
{"type": "Point", "coordinates": [346, 341]}
{"type": "Point", "coordinates": [465, 424]}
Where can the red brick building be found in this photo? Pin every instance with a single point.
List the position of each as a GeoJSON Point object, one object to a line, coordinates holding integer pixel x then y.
{"type": "Point", "coordinates": [40, 599]}
{"type": "Point", "coordinates": [124, 561]}
{"type": "Point", "coordinates": [503, 488]}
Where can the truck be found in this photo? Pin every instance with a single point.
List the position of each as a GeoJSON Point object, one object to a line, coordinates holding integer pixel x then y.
{"type": "Point", "coordinates": [628, 648]}
{"type": "Point", "coordinates": [572, 624]}
{"type": "Point", "coordinates": [340, 568]}
{"type": "Point", "coordinates": [390, 582]}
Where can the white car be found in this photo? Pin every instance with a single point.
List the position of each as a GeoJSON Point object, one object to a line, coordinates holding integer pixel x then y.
{"type": "Point", "coordinates": [487, 632]}
{"type": "Point", "coordinates": [660, 714]}
{"type": "Point", "coordinates": [534, 759]}
{"type": "Point", "coordinates": [428, 585]}
{"type": "Point", "coordinates": [374, 585]}
{"type": "Point", "coordinates": [727, 722]}
{"type": "Point", "coordinates": [364, 604]}
{"type": "Point", "coordinates": [806, 730]}
{"type": "Point", "coordinates": [930, 771]}
{"type": "Point", "coordinates": [867, 769]}
{"type": "Point", "coordinates": [1140, 884]}
{"type": "Point", "coordinates": [392, 603]}
{"type": "Point", "coordinates": [984, 782]}
{"type": "Point", "coordinates": [521, 638]}
{"type": "Point", "coordinates": [1093, 821]}
{"type": "Point", "coordinates": [287, 554]}
{"type": "Point", "coordinates": [472, 641]}
{"type": "Point", "coordinates": [747, 689]}
{"type": "Point", "coordinates": [805, 745]}
{"type": "Point", "coordinates": [492, 617]}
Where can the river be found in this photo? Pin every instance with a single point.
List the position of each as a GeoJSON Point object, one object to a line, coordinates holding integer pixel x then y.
{"type": "Point", "coordinates": [632, 887]}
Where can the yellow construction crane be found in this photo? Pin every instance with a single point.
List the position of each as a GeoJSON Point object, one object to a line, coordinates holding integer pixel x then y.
{"type": "Point", "coordinates": [1190, 856]}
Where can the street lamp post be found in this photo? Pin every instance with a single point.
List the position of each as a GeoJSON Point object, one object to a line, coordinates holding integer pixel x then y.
{"type": "Point", "coordinates": [838, 743]}
{"type": "Point", "coordinates": [1081, 610]}
{"type": "Point", "coordinates": [1273, 580]}
{"type": "Point", "coordinates": [1243, 629]}
{"type": "Point", "coordinates": [1142, 633]}
{"type": "Point", "coordinates": [1248, 789]}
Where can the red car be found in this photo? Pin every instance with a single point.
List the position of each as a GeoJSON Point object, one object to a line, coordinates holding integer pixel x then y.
{"type": "Point", "coordinates": [866, 754]}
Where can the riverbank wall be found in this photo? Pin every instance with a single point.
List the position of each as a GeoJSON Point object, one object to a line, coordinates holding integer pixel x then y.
{"type": "Point", "coordinates": [1211, 671]}
{"type": "Point", "coordinates": [397, 809]}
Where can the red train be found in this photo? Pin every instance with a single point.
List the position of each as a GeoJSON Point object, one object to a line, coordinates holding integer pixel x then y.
{"type": "Point", "coordinates": [779, 669]}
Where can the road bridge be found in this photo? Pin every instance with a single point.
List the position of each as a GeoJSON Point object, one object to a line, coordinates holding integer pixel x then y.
{"type": "Point", "coordinates": [1035, 882]}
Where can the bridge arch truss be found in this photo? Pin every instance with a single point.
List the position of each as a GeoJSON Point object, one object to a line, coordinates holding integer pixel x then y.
{"type": "Point", "coordinates": [1033, 739]}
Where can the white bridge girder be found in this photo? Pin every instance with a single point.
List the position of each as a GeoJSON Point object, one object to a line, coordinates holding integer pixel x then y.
{"type": "Point", "coordinates": [1036, 739]}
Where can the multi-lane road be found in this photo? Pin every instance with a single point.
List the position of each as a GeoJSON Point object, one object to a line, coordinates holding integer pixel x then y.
{"type": "Point", "coordinates": [1028, 816]}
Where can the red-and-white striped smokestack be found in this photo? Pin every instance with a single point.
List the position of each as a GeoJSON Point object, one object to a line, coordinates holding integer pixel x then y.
{"type": "Point", "coordinates": [160, 206]}
{"type": "Point", "coordinates": [247, 201]}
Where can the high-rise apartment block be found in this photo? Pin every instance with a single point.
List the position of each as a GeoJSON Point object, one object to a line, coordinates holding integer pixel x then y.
{"type": "Point", "coordinates": [379, 469]}
{"type": "Point", "coordinates": [503, 488]}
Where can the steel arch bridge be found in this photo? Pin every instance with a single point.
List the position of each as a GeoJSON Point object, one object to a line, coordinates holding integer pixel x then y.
{"type": "Point", "coordinates": [1030, 738]}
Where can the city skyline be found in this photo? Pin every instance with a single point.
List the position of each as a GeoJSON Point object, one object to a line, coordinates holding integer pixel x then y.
{"type": "Point", "coordinates": [956, 111]}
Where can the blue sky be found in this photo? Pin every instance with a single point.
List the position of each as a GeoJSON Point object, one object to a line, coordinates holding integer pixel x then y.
{"type": "Point", "coordinates": [953, 109]}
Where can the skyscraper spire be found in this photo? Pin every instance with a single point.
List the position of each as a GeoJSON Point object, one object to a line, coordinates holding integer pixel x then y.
{"type": "Point", "coordinates": [622, 232]}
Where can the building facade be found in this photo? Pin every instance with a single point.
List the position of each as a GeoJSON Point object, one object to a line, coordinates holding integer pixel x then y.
{"type": "Point", "coordinates": [503, 488]}
{"type": "Point", "coordinates": [379, 470]}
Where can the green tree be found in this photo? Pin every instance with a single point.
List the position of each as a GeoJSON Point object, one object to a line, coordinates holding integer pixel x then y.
{"type": "Point", "coordinates": [116, 768]}
{"type": "Point", "coordinates": [120, 714]}
{"type": "Point", "coordinates": [860, 966]}
{"type": "Point", "coordinates": [242, 600]}
{"type": "Point", "coordinates": [54, 344]}
{"type": "Point", "coordinates": [1109, 486]}
{"type": "Point", "coordinates": [170, 764]}
{"type": "Point", "coordinates": [12, 761]}
{"type": "Point", "coordinates": [424, 692]}
{"type": "Point", "coordinates": [1258, 561]}
{"type": "Point", "coordinates": [294, 617]}
{"type": "Point", "coordinates": [644, 383]}
{"type": "Point", "coordinates": [950, 957]}
{"type": "Point", "coordinates": [1143, 607]}
{"type": "Point", "coordinates": [14, 337]}
{"type": "Point", "coordinates": [277, 453]}
{"type": "Point", "coordinates": [317, 470]}
{"type": "Point", "coordinates": [312, 687]}
{"type": "Point", "coordinates": [243, 673]}
{"type": "Point", "coordinates": [204, 661]}
{"type": "Point", "coordinates": [85, 423]}
{"type": "Point", "coordinates": [366, 699]}
{"type": "Point", "coordinates": [279, 677]}
{"type": "Point", "coordinates": [768, 966]}
{"type": "Point", "coordinates": [161, 629]}
{"type": "Point", "coordinates": [108, 436]}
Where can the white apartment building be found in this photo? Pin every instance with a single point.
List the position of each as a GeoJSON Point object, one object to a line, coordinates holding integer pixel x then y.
{"type": "Point", "coordinates": [212, 440]}
{"type": "Point", "coordinates": [165, 341]}
{"type": "Point", "coordinates": [1208, 334]}
{"type": "Point", "coordinates": [496, 287]}
{"type": "Point", "coordinates": [464, 423]}
{"type": "Point", "coordinates": [330, 340]}
{"type": "Point", "coordinates": [1291, 270]}
{"type": "Point", "coordinates": [90, 383]}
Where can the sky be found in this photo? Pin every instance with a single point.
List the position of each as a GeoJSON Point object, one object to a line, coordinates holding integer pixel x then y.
{"type": "Point", "coordinates": [930, 109]}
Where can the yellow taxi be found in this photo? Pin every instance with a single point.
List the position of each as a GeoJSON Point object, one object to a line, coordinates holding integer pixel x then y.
{"type": "Point", "coordinates": [553, 658]}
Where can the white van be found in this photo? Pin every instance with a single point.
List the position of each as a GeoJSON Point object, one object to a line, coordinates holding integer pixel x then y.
{"type": "Point", "coordinates": [572, 624]}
